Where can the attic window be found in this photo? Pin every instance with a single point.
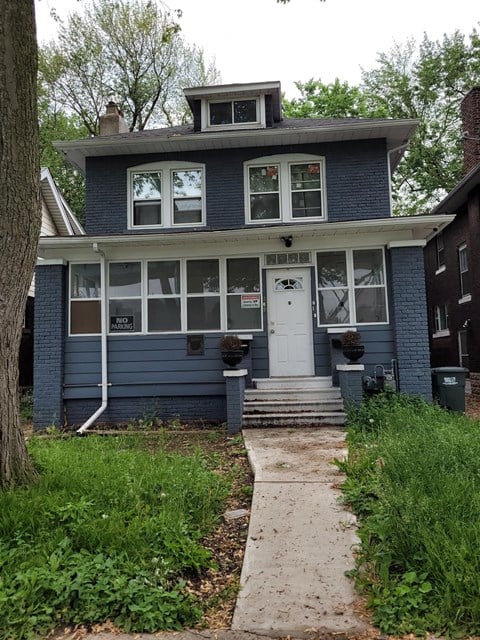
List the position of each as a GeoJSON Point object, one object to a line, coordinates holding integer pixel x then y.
{"type": "Point", "coordinates": [238, 113]}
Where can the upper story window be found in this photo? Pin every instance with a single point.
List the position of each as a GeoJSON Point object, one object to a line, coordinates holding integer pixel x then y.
{"type": "Point", "coordinates": [239, 113]}
{"type": "Point", "coordinates": [440, 252]}
{"type": "Point", "coordinates": [464, 272]}
{"type": "Point", "coordinates": [285, 188]}
{"type": "Point", "coordinates": [166, 195]}
{"type": "Point", "coordinates": [440, 318]}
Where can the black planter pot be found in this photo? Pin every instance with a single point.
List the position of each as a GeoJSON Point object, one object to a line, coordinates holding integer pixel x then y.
{"type": "Point", "coordinates": [353, 352]}
{"type": "Point", "coordinates": [232, 358]}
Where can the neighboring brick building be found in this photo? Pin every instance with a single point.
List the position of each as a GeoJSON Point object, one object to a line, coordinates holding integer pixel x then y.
{"type": "Point", "coordinates": [452, 261]}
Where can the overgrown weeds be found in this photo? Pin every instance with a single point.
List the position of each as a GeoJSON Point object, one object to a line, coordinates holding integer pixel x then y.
{"type": "Point", "coordinates": [110, 532]}
{"type": "Point", "coordinates": [413, 478]}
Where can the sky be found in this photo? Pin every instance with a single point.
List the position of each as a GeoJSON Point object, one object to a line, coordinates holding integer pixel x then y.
{"type": "Point", "coordinates": [261, 40]}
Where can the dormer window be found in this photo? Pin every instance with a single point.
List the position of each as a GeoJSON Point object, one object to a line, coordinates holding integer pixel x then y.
{"type": "Point", "coordinates": [233, 112]}
{"type": "Point", "coordinates": [242, 113]}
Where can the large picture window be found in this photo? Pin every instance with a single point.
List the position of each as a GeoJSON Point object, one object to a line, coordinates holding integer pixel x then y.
{"type": "Point", "coordinates": [285, 188]}
{"type": "Point", "coordinates": [243, 294]}
{"type": "Point", "coordinates": [164, 300]}
{"type": "Point", "coordinates": [203, 295]}
{"type": "Point", "coordinates": [125, 297]}
{"type": "Point", "coordinates": [351, 287]}
{"type": "Point", "coordinates": [166, 195]}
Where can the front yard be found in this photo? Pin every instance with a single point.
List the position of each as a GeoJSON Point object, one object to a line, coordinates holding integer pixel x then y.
{"type": "Point", "coordinates": [127, 529]}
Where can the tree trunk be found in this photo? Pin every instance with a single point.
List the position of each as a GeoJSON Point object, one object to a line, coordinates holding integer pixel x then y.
{"type": "Point", "coordinates": [20, 217]}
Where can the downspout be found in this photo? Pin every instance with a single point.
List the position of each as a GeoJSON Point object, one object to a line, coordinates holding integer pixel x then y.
{"type": "Point", "coordinates": [103, 324]}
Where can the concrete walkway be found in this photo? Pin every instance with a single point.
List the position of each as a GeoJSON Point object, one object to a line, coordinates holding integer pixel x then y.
{"type": "Point", "coordinates": [300, 540]}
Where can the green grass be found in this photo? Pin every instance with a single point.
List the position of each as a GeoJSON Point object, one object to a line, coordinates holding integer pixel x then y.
{"type": "Point", "coordinates": [413, 478]}
{"type": "Point", "coordinates": [108, 533]}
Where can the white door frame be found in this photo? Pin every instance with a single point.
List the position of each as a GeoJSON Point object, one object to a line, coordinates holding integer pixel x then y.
{"type": "Point", "coordinates": [290, 325]}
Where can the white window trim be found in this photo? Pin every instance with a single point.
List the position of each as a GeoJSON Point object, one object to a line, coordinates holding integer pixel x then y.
{"type": "Point", "coordinates": [165, 169]}
{"type": "Point", "coordinates": [284, 161]}
{"type": "Point", "coordinates": [440, 270]}
{"type": "Point", "coordinates": [437, 320]}
{"type": "Point", "coordinates": [70, 299]}
{"type": "Point", "coordinates": [260, 122]}
{"type": "Point", "coordinates": [444, 333]}
{"type": "Point", "coordinates": [464, 299]}
{"type": "Point", "coordinates": [351, 290]}
{"type": "Point", "coordinates": [183, 297]}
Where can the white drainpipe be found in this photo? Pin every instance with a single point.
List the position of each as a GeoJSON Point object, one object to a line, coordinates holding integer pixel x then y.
{"type": "Point", "coordinates": [103, 323]}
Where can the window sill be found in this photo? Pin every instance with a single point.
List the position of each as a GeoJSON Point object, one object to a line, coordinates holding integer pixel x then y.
{"type": "Point", "coordinates": [440, 270]}
{"type": "Point", "coordinates": [467, 298]}
{"type": "Point", "coordinates": [441, 334]}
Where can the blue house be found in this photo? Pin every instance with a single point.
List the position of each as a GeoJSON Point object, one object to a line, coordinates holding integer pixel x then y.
{"type": "Point", "coordinates": [276, 230]}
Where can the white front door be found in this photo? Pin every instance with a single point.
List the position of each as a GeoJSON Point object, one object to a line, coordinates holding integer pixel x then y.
{"type": "Point", "coordinates": [290, 343]}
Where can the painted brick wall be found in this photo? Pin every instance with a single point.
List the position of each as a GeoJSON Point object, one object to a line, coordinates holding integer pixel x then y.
{"type": "Point", "coordinates": [50, 310]}
{"type": "Point", "coordinates": [210, 410]}
{"type": "Point", "coordinates": [357, 183]}
{"type": "Point", "coordinates": [409, 307]}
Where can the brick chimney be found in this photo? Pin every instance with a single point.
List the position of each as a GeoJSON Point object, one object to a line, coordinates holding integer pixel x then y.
{"type": "Point", "coordinates": [113, 121]}
{"type": "Point", "coordinates": [470, 110]}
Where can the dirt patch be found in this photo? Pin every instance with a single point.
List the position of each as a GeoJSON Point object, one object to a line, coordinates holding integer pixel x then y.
{"type": "Point", "coordinates": [472, 406]}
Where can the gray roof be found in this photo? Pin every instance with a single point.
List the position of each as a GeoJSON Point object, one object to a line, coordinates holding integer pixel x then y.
{"type": "Point", "coordinates": [397, 133]}
{"type": "Point", "coordinates": [459, 194]}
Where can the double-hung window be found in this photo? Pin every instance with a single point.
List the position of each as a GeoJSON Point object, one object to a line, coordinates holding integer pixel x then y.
{"type": "Point", "coordinates": [233, 112]}
{"type": "Point", "coordinates": [463, 271]}
{"type": "Point", "coordinates": [351, 287]}
{"type": "Point", "coordinates": [440, 317]}
{"type": "Point", "coordinates": [166, 195]}
{"type": "Point", "coordinates": [440, 252]}
{"type": "Point", "coordinates": [285, 189]}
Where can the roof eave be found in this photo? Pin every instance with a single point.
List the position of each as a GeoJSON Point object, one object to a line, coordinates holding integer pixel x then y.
{"type": "Point", "coordinates": [459, 194]}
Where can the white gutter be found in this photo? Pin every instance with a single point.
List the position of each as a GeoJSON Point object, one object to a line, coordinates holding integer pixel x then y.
{"type": "Point", "coordinates": [103, 323]}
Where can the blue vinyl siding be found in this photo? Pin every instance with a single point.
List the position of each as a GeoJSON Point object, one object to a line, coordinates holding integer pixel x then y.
{"type": "Point", "coordinates": [356, 175]}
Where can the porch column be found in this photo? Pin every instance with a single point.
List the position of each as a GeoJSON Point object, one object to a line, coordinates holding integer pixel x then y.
{"type": "Point", "coordinates": [49, 343]}
{"type": "Point", "coordinates": [235, 379]}
{"type": "Point", "coordinates": [409, 303]}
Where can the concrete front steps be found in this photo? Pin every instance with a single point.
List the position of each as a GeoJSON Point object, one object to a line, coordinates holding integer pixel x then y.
{"type": "Point", "coordinates": [290, 402]}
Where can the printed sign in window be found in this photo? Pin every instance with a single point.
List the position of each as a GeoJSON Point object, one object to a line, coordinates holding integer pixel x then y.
{"type": "Point", "coordinates": [250, 301]}
{"type": "Point", "coordinates": [121, 323]}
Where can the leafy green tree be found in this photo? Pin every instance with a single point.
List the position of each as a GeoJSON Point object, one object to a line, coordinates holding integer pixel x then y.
{"type": "Point", "coordinates": [20, 217]}
{"type": "Point", "coordinates": [425, 81]}
{"type": "Point", "coordinates": [128, 49]}
{"type": "Point", "coordinates": [335, 100]}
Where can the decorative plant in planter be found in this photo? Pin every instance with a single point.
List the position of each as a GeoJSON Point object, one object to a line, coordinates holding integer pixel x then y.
{"type": "Point", "coordinates": [232, 352]}
{"type": "Point", "coordinates": [352, 348]}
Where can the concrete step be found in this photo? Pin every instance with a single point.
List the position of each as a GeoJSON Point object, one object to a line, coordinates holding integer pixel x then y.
{"type": "Point", "coordinates": [300, 395]}
{"type": "Point", "coordinates": [304, 419]}
{"type": "Point", "coordinates": [292, 406]}
{"type": "Point", "coordinates": [305, 382]}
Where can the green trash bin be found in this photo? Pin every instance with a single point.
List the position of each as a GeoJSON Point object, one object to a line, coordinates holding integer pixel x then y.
{"type": "Point", "coordinates": [448, 385]}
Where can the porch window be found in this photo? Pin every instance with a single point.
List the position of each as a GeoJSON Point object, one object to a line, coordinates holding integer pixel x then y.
{"type": "Point", "coordinates": [203, 295]}
{"type": "Point", "coordinates": [351, 287]}
{"type": "Point", "coordinates": [85, 294]}
{"type": "Point", "coordinates": [285, 188]}
{"type": "Point", "coordinates": [463, 271]}
{"type": "Point", "coordinates": [125, 297]}
{"type": "Point", "coordinates": [244, 306]}
{"type": "Point", "coordinates": [164, 301]}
